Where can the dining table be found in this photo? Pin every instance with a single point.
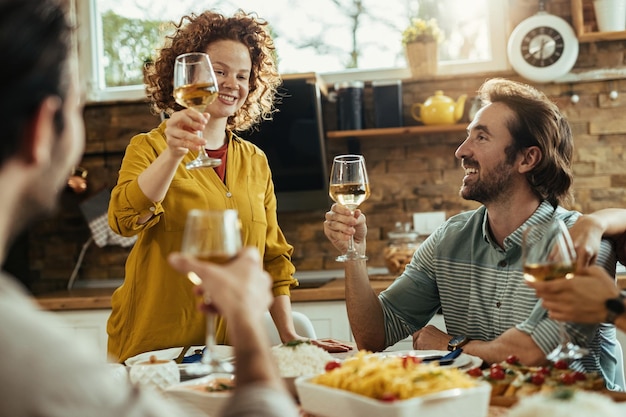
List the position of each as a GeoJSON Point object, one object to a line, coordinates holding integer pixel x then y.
{"type": "Point", "coordinates": [498, 407]}
{"type": "Point", "coordinates": [494, 410]}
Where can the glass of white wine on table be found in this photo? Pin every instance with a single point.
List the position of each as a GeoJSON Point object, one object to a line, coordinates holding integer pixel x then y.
{"type": "Point", "coordinates": [548, 254]}
{"type": "Point", "coordinates": [349, 186]}
{"type": "Point", "coordinates": [213, 236]}
{"type": "Point", "coordinates": [195, 87]}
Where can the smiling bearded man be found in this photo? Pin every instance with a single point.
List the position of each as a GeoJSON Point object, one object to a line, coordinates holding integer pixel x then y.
{"type": "Point", "coordinates": [517, 163]}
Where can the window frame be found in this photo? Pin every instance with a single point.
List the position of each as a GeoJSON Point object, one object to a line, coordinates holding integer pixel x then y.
{"type": "Point", "coordinates": [92, 74]}
{"type": "Point", "coordinates": [90, 41]}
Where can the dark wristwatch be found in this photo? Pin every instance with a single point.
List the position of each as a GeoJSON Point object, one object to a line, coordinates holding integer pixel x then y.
{"type": "Point", "coordinates": [457, 342]}
{"type": "Point", "coordinates": [614, 308]}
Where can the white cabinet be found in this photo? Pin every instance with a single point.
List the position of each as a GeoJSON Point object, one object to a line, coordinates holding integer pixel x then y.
{"type": "Point", "coordinates": [88, 324]}
{"type": "Point", "coordinates": [329, 318]}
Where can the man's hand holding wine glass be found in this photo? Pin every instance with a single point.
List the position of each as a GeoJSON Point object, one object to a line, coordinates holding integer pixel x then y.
{"type": "Point", "coordinates": [349, 186]}
{"type": "Point", "coordinates": [342, 225]}
{"type": "Point", "coordinates": [213, 236]}
{"type": "Point", "coordinates": [241, 282]}
{"type": "Point", "coordinates": [549, 254]}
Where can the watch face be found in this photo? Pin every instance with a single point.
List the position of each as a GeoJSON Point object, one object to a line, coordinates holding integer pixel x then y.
{"type": "Point", "coordinates": [457, 340]}
{"type": "Point", "coordinates": [542, 46]}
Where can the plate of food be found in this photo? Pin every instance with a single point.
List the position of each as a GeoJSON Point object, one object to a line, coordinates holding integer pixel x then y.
{"type": "Point", "coordinates": [223, 352]}
{"type": "Point", "coordinates": [209, 393]}
{"type": "Point", "coordinates": [463, 361]}
{"type": "Point", "coordinates": [369, 384]}
{"type": "Point", "coordinates": [191, 355]}
{"type": "Point", "coordinates": [512, 381]}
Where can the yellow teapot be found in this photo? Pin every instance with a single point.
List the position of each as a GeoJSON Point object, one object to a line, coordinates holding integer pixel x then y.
{"type": "Point", "coordinates": [439, 109]}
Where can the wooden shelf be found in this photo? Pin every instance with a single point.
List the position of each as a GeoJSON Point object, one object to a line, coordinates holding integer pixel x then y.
{"type": "Point", "coordinates": [583, 19]}
{"type": "Point", "coordinates": [395, 131]}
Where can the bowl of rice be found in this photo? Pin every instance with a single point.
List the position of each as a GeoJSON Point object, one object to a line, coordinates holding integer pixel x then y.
{"type": "Point", "coordinates": [299, 358]}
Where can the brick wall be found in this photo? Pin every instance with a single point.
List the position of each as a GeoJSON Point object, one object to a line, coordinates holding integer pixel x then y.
{"type": "Point", "coordinates": [409, 174]}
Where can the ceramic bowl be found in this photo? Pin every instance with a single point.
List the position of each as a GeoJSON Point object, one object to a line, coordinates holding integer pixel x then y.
{"type": "Point", "coordinates": [155, 373]}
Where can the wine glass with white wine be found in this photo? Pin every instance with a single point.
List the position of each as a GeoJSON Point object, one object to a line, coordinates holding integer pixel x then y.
{"type": "Point", "coordinates": [548, 253]}
{"type": "Point", "coordinates": [195, 87]}
{"type": "Point", "coordinates": [212, 236]}
{"type": "Point", "coordinates": [349, 186]}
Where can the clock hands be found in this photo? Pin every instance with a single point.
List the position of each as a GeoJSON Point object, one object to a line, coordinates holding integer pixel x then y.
{"type": "Point", "coordinates": [544, 50]}
{"type": "Point", "coordinates": [539, 53]}
{"type": "Point", "coordinates": [541, 48]}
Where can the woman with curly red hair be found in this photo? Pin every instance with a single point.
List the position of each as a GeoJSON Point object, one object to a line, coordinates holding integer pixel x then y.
{"type": "Point", "coordinates": [156, 308]}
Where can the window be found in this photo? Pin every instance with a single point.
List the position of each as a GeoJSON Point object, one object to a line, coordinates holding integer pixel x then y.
{"type": "Point", "coordinates": [339, 39]}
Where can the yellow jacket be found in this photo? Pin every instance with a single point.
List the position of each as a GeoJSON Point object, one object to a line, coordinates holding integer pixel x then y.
{"type": "Point", "coordinates": [155, 308]}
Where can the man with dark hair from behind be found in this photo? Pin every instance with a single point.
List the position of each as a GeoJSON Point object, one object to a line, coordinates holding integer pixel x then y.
{"type": "Point", "coordinates": [45, 371]}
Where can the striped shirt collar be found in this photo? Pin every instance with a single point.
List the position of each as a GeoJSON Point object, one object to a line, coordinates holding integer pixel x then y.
{"type": "Point", "coordinates": [545, 212]}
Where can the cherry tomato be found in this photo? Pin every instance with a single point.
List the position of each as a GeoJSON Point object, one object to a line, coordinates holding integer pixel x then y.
{"type": "Point", "coordinates": [496, 373]}
{"type": "Point", "coordinates": [579, 376]}
{"type": "Point", "coordinates": [388, 397]}
{"type": "Point", "coordinates": [544, 370]}
{"type": "Point", "coordinates": [409, 359]}
{"type": "Point", "coordinates": [567, 378]}
{"type": "Point", "coordinates": [561, 364]}
{"type": "Point", "coordinates": [512, 360]}
{"type": "Point", "coordinates": [538, 378]}
{"type": "Point", "coordinates": [332, 365]}
{"type": "Point", "coordinates": [475, 372]}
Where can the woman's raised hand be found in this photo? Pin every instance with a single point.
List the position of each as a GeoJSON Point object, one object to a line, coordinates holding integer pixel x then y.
{"type": "Point", "coordinates": [181, 131]}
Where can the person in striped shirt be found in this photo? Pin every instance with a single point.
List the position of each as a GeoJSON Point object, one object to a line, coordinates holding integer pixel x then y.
{"type": "Point", "coordinates": [516, 161]}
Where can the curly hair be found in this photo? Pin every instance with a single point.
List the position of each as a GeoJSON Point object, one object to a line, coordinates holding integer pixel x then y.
{"type": "Point", "coordinates": [193, 33]}
{"type": "Point", "coordinates": [538, 122]}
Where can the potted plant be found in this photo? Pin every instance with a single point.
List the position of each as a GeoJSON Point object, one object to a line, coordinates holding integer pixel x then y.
{"type": "Point", "coordinates": [420, 40]}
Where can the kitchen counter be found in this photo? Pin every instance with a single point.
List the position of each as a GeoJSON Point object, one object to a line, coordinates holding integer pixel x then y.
{"type": "Point", "coordinates": [77, 299]}
{"type": "Point", "coordinates": [100, 298]}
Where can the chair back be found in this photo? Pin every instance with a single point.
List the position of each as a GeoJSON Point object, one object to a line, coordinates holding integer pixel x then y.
{"type": "Point", "coordinates": [303, 325]}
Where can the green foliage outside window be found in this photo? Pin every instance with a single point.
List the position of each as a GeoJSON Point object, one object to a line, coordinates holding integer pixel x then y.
{"type": "Point", "coordinates": [128, 44]}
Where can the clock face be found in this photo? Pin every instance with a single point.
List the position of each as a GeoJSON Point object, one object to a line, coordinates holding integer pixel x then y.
{"type": "Point", "coordinates": [542, 46]}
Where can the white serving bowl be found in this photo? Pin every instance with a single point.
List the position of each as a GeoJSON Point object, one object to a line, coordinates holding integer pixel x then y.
{"type": "Point", "coordinates": [211, 403]}
{"type": "Point", "coordinates": [331, 402]}
{"type": "Point", "coordinates": [155, 373]}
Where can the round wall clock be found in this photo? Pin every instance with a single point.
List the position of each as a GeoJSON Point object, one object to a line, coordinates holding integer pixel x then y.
{"type": "Point", "coordinates": [543, 47]}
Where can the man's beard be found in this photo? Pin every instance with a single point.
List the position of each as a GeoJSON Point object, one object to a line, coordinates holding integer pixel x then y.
{"type": "Point", "coordinates": [491, 187]}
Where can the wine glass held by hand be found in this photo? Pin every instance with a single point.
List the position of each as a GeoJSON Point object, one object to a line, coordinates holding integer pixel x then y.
{"type": "Point", "coordinates": [349, 186]}
{"type": "Point", "coordinates": [549, 254]}
{"type": "Point", "coordinates": [195, 87]}
{"type": "Point", "coordinates": [212, 236]}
